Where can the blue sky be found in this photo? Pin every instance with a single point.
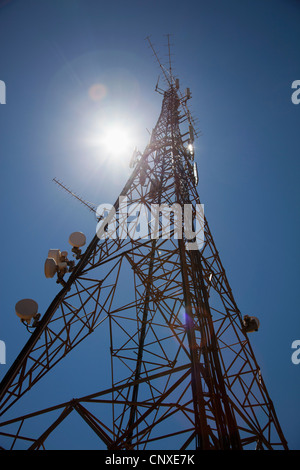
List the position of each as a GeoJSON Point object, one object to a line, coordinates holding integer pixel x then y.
{"type": "Point", "coordinates": [239, 60]}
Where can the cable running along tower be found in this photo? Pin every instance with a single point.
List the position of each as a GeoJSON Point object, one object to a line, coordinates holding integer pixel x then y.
{"type": "Point", "coordinates": [178, 370]}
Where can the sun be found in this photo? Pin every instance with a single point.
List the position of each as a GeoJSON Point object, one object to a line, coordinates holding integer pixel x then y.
{"type": "Point", "coordinates": [116, 140]}
{"type": "Point", "coordinates": [111, 140]}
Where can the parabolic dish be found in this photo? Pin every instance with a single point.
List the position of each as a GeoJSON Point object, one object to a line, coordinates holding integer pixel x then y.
{"type": "Point", "coordinates": [77, 239]}
{"type": "Point", "coordinates": [26, 309]}
{"type": "Point", "coordinates": [50, 267]}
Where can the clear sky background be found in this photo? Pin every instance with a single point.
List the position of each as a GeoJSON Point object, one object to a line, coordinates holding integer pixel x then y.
{"type": "Point", "coordinates": [239, 59]}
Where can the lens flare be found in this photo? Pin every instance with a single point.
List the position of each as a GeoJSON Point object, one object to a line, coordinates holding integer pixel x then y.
{"type": "Point", "coordinates": [97, 92]}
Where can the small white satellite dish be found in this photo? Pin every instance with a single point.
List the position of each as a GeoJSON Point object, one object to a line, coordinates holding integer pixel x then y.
{"type": "Point", "coordinates": [77, 239]}
{"type": "Point", "coordinates": [50, 267]}
{"type": "Point", "coordinates": [62, 267]}
{"type": "Point", "coordinates": [55, 254]}
{"type": "Point", "coordinates": [26, 309]}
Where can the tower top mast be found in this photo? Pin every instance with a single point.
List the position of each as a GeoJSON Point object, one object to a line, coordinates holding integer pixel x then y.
{"type": "Point", "coordinates": [173, 83]}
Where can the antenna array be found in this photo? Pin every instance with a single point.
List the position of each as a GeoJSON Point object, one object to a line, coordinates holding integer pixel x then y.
{"type": "Point", "coordinates": [172, 81]}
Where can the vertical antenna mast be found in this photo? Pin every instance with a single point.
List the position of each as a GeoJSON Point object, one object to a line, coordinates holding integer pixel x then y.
{"type": "Point", "coordinates": [169, 53]}
{"type": "Point", "coordinates": [168, 75]}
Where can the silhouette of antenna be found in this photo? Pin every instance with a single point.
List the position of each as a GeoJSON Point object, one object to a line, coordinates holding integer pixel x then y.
{"type": "Point", "coordinates": [169, 54]}
{"type": "Point", "coordinates": [90, 205]}
{"type": "Point", "coordinates": [167, 75]}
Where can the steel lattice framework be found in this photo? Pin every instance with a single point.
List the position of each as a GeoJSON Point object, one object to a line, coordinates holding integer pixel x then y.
{"type": "Point", "coordinates": [181, 372]}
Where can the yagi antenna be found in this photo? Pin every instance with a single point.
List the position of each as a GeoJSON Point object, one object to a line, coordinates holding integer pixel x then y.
{"type": "Point", "coordinates": [91, 206]}
{"type": "Point", "coordinates": [164, 71]}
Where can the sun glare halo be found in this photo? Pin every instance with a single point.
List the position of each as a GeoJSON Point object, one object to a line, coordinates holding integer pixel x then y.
{"type": "Point", "coordinates": [116, 140]}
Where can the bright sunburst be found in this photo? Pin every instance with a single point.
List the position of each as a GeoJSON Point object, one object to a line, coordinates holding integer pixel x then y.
{"type": "Point", "coordinates": [113, 140]}
{"type": "Point", "coordinates": [116, 140]}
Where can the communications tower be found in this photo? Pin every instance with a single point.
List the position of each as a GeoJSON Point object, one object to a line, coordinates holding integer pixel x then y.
{"type": "Point", "coordinates": [180, 372]}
